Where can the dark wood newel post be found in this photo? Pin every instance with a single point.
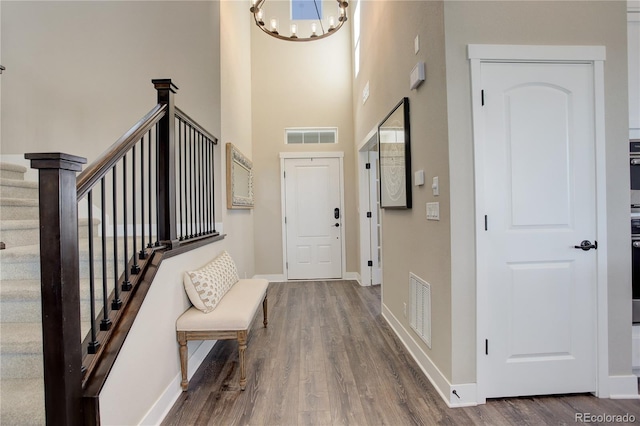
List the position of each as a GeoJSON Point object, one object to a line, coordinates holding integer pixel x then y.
{"type": "Point", "coordinates": [60, 285]}
{"type": "Point", "coordinates": [167, 227]}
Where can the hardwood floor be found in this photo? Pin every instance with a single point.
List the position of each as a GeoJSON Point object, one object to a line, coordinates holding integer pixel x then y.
{"type": "Point", "coordinates": [329, 358]}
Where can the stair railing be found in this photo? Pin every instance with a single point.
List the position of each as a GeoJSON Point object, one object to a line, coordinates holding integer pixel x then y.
{"type": "Point", "coordinates": [155, 185]}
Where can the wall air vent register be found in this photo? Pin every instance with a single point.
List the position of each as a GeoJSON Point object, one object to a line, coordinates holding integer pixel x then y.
{"type": "Point", "coordinates": [307, 136]}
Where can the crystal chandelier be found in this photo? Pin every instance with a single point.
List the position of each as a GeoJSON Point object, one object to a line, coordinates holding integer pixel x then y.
{"type": "Point", "coordinates": [317, 28]}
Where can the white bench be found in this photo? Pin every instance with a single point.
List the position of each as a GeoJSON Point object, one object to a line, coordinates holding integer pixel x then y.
{"type": "Point", "coordinates": [231, 318]}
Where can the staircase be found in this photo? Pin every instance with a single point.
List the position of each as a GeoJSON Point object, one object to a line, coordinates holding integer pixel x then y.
{"type": "Point", "coordinates": [21, 365]}
{"type": "Point", "coordinates": [21, 375]}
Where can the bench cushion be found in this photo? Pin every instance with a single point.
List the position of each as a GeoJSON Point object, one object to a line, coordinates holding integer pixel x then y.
{"type": "Point", "coordinates": [208, 285]}
{"type": "Point", "coordinates": [234, 312]}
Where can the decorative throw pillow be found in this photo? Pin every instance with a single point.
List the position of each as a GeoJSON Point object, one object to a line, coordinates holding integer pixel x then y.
{"type": "Point", "coordinates": [207, 285]}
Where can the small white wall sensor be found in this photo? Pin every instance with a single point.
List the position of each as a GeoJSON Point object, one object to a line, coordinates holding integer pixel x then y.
{"type": "Point", "coordinates": [417, 75]}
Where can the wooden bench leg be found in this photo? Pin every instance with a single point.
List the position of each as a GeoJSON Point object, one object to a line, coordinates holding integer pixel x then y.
{"type": "Point", "coordinates": [242, 346]}
{"type": "Point", "coordinates": [182, 340]}
{"type": "Point", "coordinates": [264, 310]}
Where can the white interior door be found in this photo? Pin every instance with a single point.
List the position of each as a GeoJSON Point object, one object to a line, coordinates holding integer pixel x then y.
{"type": "Point", "coordinates": [538, 187]}
{"type": "Point", "coordinates": [313, 218]}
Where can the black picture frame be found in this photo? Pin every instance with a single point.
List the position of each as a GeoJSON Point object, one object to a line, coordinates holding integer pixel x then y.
{"type": "Point", "coordinates": [394, 149]}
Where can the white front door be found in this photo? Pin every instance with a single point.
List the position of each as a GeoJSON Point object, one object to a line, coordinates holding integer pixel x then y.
{"type": "Point", "coordinates": [539, 201]}
{"type": "Point", "coordinates": [313, 218]}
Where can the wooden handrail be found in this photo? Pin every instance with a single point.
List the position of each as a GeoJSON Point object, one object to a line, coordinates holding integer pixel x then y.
{"type": "Point", "coordinates": [92, 174]}
{"type": "Point", "coordinates": [184, 117]}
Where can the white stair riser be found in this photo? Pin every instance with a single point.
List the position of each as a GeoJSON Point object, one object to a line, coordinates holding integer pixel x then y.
{"type": "Point", "coordinates": [18, 212]}
{"type": "Point", "coordinates": [9, 191]}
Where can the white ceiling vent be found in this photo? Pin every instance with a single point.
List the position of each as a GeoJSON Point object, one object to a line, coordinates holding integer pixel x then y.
{"type": "Point", "coordinates": [311, 136]}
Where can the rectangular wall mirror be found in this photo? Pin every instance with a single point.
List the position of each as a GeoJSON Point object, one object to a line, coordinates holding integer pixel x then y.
{"type": "Point", "coordinates": [395, 158]}
{"type": "Point", "coordinates": [239, 179]}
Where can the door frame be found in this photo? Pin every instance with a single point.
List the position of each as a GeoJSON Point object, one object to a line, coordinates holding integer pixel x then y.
{"type": "Point", "coordinates": [364, 196]}
{"type": "Point", "coordinates": [311, 155]}
{"type": "Point", "coordinates": [595, 56]}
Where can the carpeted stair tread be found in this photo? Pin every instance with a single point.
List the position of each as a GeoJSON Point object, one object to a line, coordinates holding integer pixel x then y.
{"type": "Point", "coordinates": [18, 202]}
{"type": "Point", "coordinates": [14, 188]}
{"type": "Point", "coordinates": [32, 252]}
{"type": "Point", "coordinates": [12, 171]}
{"type": "Point", "coordinates": [21, 290]}
{"type": "Point", "coordinates": [12, 167]}
{"type": "Point", "coordinates": [15, 290]}
{"type": "Point", "coordinates": [22, 402]}
{"type": "Point", "coordinates": [21, 337]}
{"type": "Point", "coordinates": [19, 183]}
{"type": "Point", "coordinates": [6, 225]}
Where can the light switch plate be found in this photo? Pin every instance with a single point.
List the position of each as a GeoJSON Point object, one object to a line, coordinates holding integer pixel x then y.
{"type": "Point", "coordinates": [433, 211]}
{"type": "Point", "coordinates": [416, 44]}
{"type": "Point", "coordinates": [435, 186]}
{"type": "Point", "coordinates": [365, 93]}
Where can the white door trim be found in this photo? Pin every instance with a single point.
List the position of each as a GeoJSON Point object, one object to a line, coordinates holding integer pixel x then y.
{"type": "Point", "coordinates": [565, 54]}
{"type": "Point", "coordinates": [363, 194]}
{"type": "Point", "coordinates": [283, 157]}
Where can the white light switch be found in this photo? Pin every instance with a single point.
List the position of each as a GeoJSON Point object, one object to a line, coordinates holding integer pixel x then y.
{"type": "Point", "coordinates": [433, 211]}
{"type": "Point", "coordinates": [416, 44]}
{"type": "Point", "coordinates": [419, 178]}
{"type": "Point", "coordinates": [435, 186]}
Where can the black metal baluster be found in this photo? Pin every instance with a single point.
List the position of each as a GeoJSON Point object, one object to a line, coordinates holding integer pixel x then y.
{"type": "Point", "coordinates": [206, 185]}
{"type": "Point", "coordinates": [116, 303]}
{"type": "Point", "coordinates": [213, 184]}
{"type": "Point", "coordinates": [198, 185]}
{"type": "Point", "coordinates": [157, 244]}
{"type": "Point", "coordinates": [191, 176]}
{"type": "Point", "coordinates": [211, 187]}
{"type": "Point", "coordinates": [143, 253]}
{"type": "Point", "coordinates": [183, 189]}
{"type": "Point", "coordinates": [135, 268]}
{"type": "Point", "coordinates": [179, 186]}
{"type": "Point", "coordinates": [105, 324]}
{"type": "Point", "coordinates": [202, 183]}
{"type": "Point", "coordinates": [150, 243]}
{"type": "Point", "coordinates": [92, 348]}
{"type": "Point", "coordinates": [126, 284]}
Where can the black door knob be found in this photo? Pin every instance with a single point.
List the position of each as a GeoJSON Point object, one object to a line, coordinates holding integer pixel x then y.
{"type": "Point", "coordinates": [586, 245]}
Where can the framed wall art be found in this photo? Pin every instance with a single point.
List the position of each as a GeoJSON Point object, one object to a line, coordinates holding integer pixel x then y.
{"type": "Point", "coordinates": [395, 158]}
{"type": "Point", "coordinates": [239, 179]}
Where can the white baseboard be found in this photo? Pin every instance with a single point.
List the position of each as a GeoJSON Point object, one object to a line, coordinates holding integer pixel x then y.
{"type": "Point", "coordinates": [459, 395]}
{"type": "Point", "coordinates": [353, 276]}
{"type": "Point", "coordinates": [278, 278]}
{"type": "Point", "coordinates": [272, 278]}
{"type": "Point", "coordinates": [163, 405]}
{"type": "Point", "coordinates": [623, 387]}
